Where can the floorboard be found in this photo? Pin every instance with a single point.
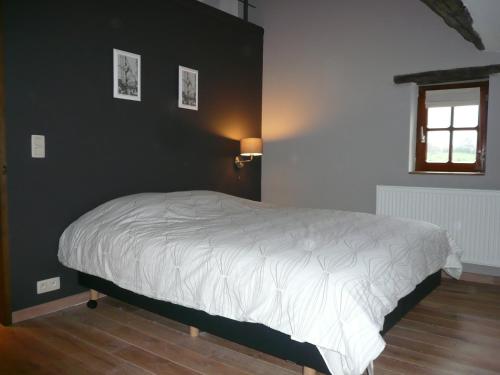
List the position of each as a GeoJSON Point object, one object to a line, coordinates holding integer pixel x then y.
{"type": "Point", "coordinates": [455, 330]}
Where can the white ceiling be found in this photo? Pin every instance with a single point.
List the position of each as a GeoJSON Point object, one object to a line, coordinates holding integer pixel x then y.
{"type": "Point", "coordinates": [228, 6]}
{"type": "Point", "coordinates": [485, 13]}
{"type": "Point", "coordinates": [486, 16]}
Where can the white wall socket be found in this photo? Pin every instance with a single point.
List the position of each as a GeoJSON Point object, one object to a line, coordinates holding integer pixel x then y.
{"type": "Point", "coordinates": [37, 146]}
{"type": "Point", "coordinates": [44, 286]}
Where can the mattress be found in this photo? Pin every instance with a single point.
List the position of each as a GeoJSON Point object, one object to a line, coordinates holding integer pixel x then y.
{"type": "Point", "coordinates": [325, 277]}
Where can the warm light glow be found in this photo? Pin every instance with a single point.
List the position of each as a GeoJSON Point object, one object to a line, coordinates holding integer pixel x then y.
{"type": "Point", "coordinates": [287, 116]}
{"type": "Point", "coordinates": [251, 147]}
{"type": "Point", "coordinates": [231, 125]}
{"type": "Point", "coordinates": [287, 113]}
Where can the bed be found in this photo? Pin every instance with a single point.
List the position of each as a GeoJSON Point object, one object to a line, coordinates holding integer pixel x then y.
{"type": "Point", "coordinates": [313, 286]}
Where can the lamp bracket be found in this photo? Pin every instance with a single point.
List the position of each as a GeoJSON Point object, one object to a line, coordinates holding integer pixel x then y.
{"type": "Point", "coordinates": [240, 161]}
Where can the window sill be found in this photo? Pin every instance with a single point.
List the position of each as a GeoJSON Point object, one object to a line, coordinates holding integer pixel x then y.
{"type": "Point", "coordinates": [449, 173]}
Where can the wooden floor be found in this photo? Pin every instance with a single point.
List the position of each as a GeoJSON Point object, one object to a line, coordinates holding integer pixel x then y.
{"type": "Point", "coordinates": [456, 330]}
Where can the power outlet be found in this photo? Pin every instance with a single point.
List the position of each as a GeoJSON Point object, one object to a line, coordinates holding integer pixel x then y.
{"type": "Point", "coordinates": [38, 146]}
{"type": "Point", "coordinates": [48, 285]}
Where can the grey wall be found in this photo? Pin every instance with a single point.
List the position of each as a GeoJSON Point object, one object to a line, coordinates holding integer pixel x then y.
{"type": "Point", "coordinates": [334, 124]}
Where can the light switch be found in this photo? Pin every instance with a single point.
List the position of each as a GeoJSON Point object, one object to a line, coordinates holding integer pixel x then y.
{"type": "Point", "coordinates": [38, 146]}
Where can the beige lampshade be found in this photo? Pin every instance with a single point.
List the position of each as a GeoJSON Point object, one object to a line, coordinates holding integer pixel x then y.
{"type": "Point", "coordinates": [251, 147]}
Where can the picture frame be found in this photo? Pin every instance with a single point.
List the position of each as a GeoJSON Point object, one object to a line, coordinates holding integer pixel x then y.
{"type": "Point", "coordinates": [188, 88]}
{"type": "Point", "coordinates": [126, 75]}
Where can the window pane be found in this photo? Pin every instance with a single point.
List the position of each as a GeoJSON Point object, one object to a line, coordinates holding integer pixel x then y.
{"type": "Point", "coordinates": [464, 146]}
{"type": "Point", "coordinates": [466, 116]}
{"type": "Point", "coordinates": [438, 146]}
{"type": "Point", "coordinates": [439, 117]}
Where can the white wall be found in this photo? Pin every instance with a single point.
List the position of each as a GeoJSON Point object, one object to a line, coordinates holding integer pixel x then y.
{"type": "Point", "coordinates": [334, 124]}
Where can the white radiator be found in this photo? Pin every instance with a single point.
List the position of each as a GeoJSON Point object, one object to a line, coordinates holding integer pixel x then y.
{"type": "Point", "coordinates": [471, 217]}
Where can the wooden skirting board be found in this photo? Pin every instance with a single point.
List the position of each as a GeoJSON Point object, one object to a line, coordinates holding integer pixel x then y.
{"type": "Point", "coordinates": [50, 307]}
{"type": "Point", "coordinates": [63, 303]}
{"type": "Point", "coordinates": [477, 278]}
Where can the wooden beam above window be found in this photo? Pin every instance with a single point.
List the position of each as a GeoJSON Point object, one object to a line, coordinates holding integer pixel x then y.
{"type": "Point", "coordinates": [474, 73]}
{"type": "Point", "coordinates": [457, 16]}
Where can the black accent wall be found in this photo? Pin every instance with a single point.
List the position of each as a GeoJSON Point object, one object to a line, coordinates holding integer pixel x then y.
{"type": "Point", "coordinates": [59, 83]}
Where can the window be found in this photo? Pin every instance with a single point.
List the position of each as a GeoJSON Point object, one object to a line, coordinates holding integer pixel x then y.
{"type": "Point", "coordinates": [451, 128]}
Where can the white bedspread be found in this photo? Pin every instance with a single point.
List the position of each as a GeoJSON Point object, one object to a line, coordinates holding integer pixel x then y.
{"type": "Point", "coordinates": [322, 276]}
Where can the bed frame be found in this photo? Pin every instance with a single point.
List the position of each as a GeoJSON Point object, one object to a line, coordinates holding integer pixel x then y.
{"type": "Point", "coordinates": [253, 335]}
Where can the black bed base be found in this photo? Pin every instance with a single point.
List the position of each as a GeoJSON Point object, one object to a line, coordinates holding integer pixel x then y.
{"type": "Point", "coordinates": [253, 335]}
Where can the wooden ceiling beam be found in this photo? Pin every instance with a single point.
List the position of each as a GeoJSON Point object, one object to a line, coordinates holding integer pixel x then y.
{"type": "Point", "coordinates": [457, 16]}
{"type": "Point", "coordinates": [474, 73]}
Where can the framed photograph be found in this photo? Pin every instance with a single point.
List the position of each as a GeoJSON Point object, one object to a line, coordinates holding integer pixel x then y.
{"type": "Point", "coordinates": [188, 88]}
{"type": "Point", "coordinates": [126, 75]}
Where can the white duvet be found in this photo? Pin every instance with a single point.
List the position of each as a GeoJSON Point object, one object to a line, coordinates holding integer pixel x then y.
{"type": "Point", "coordinates": [322, 276]}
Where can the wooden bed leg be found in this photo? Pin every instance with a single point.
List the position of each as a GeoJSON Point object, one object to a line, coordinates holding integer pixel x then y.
{"type": "Point", "coordinates": [93, 297]}
{"type": "Point", "coordinates": [194, 332]}
{"type": "Point", "coordinates": [308, 371]}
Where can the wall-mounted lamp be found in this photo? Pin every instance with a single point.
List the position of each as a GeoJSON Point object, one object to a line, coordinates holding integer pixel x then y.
{"type": "Point", "coordinates": [248, 147]}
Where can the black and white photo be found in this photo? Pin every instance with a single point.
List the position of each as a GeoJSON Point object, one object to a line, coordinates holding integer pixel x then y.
{"type": "Point", "coordinates": [188, 88]}
{"type": "Point", "coordinates": [126, 75]}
